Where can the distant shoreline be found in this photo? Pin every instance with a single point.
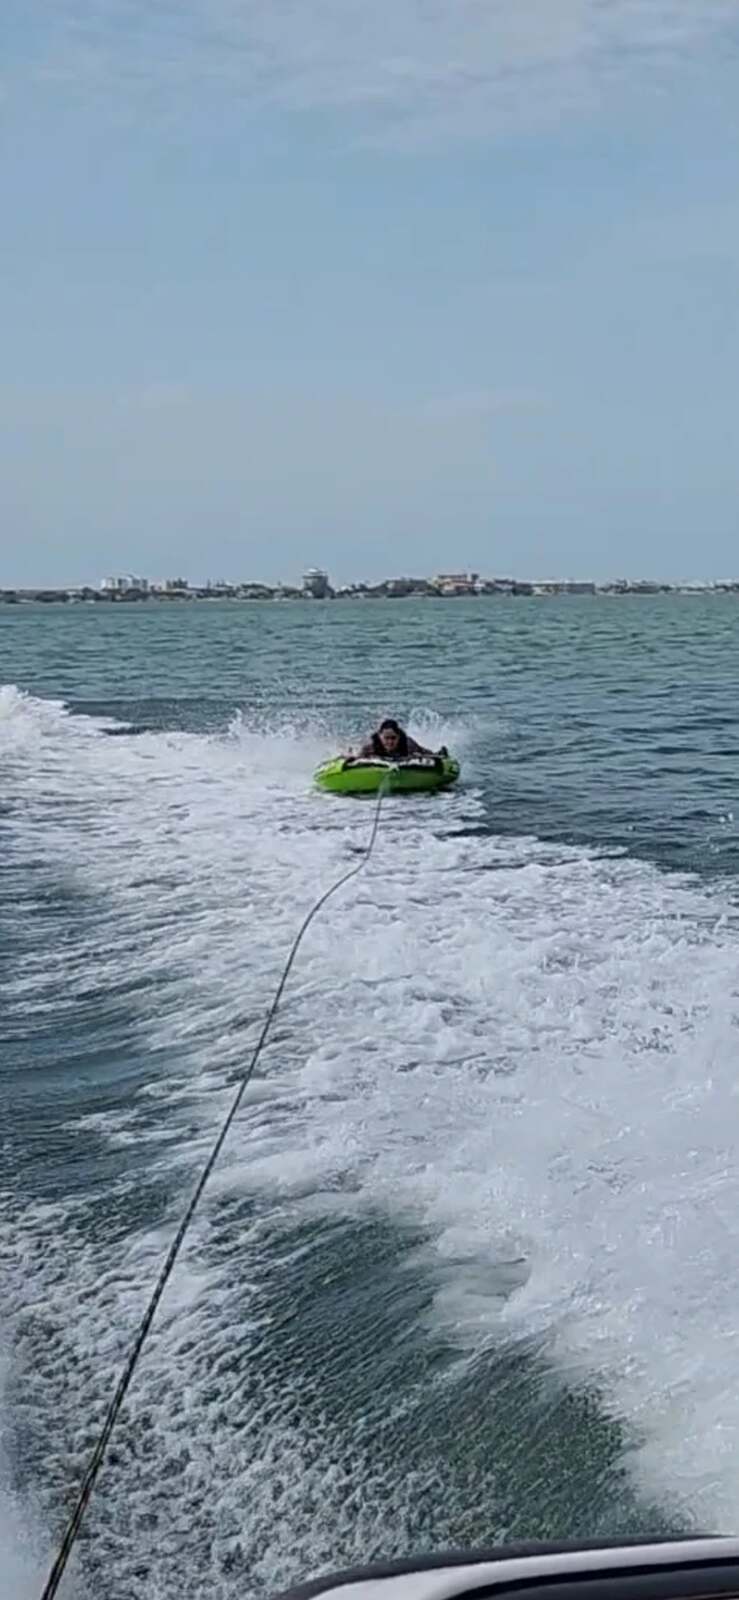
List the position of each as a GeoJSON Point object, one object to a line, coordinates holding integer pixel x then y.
{"type": "Point", "coordinates": [246, 594]}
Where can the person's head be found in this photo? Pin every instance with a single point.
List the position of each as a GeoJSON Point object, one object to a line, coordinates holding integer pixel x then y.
{"type": "Point", "coordinates": [391, 736]}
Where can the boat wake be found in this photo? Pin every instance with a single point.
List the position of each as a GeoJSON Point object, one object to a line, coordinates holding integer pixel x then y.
{"type": "Point", "coordinates": [488, 1171]}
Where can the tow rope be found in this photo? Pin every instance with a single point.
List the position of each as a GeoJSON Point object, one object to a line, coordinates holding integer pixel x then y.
{"type": "Point", "coordinates": [98, 1454]}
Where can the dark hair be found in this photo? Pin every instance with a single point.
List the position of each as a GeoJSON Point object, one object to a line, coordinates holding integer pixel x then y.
{"type": "Point", "coordinates": [392, 726]}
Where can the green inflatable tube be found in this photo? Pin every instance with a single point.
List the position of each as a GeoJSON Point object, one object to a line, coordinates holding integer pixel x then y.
{"type": "Point", "coordinates": [341, 776]}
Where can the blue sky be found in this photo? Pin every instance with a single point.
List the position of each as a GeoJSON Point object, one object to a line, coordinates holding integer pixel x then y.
{"type": "Point", "coordinates": [381, 285]}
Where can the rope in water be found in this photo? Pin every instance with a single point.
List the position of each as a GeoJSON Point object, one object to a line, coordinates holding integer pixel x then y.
{"type": "Point", "coordinates": [98, 1455]}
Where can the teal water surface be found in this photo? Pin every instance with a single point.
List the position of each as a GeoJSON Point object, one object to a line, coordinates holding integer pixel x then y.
{"type": "Point", "coordinates": [467, 1270]}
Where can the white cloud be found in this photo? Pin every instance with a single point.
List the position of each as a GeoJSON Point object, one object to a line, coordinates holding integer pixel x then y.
{"type": "Point", "coordinates": [405, 69]}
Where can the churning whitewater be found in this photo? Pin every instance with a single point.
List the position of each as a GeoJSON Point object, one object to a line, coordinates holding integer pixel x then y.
{"type": "Point", "coordinates": [468, 1267]}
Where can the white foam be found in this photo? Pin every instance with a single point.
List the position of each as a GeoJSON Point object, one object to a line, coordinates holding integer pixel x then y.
{"type": "Point", "coordinates": [22, 1574]}
{"type": "Point", "coordinates": [24, 1553]}
{"type": "Point", "coordinates": [529, 1051]}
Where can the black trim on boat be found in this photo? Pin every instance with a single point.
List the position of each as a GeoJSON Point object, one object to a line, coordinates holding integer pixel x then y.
{"type": "Point", "coordinates": [687, 1568]}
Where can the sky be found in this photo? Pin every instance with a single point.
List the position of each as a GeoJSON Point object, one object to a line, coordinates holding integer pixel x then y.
{"type": "Point", "coordinates": [384, 286]}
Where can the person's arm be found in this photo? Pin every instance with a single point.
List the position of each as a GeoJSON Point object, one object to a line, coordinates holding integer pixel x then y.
{"type": "Point", "coordinates": [415, 749]}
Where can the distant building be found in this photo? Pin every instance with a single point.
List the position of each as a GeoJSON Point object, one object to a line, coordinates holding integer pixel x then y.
{"type": "Point", "coordinates": [254, 591]}
{"type": "Point", "coordinates": [316, 584]}
{"type": "Point", "coordinates": [123, 584]}
{"type": "Point", "coordinates": [452, 583]}
{"type": "Point", "coordinates": [563, 586]}
{"type": "Point", "coordinates": [496, 586]}
{"type": "Point", "coordinates": [646, 586]}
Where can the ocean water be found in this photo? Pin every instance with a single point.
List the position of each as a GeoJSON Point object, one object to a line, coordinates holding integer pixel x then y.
{"type": "Point", "coordinates": [469, 1267]}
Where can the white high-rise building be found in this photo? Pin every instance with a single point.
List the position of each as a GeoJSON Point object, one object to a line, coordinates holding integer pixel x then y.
{"type": "Point", "coordinates": [316, 584]}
